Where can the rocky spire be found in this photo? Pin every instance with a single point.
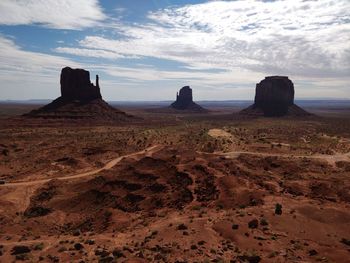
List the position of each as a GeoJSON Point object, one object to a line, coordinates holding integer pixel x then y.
{"type": "Point", "coordinates": [97, 84]}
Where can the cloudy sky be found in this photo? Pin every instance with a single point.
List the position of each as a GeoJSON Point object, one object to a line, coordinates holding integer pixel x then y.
{"type": "Point", "coordinates": [147, 50]}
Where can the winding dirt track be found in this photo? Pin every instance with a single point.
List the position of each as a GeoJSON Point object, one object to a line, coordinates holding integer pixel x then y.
{"type": "Point", "coordinates": [107, 166]}
{"type": "Point", "coordinates": [331, 159]}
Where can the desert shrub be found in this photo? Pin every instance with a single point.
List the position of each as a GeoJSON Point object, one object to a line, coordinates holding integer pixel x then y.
{"type": "Point", "coordinates": [235, 226]}
{"type": "Point", "coordinates": [345, 241]}
{"type": "Point", "coordinates": [39, 246]}
{"type": "Point", "coordinates": [16, 250]}
{"type": "Point", "coordinates": [263, 222]}
{"type": "Point", "coordinates": [182, 227]}
{"type": "Point", "coordinates": [22, 257]}
{"type": "Point", "coordinates": [78, 246]}
{"type": "Point", "coordinates": [278, 209]}
{"type": "Point", "coordinates": [253, 223]}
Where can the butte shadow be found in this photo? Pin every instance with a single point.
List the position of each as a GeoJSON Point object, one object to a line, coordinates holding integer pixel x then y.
{"type": "Point", "coordinates": [80, 99]}
{"type": "Point", "coordinates": [274, 97]}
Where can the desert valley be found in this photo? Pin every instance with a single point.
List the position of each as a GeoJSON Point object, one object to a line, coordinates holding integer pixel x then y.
{"type": "Point", "coordinates": [82, 181]}
{"type": "Point", "coordinates": [175, 131]}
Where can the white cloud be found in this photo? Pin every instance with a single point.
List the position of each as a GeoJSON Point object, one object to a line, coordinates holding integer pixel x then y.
{"type": "Point", "coordinates": [59, 14]}
{"type": "Point", "coordinates": [206, 79]}
{"type": "Point", "coordinates": [26, 74]}
{"type": "Point", "coordinates": [13, 58]}
{"type": "Point", "coordinates": [298, 38]}
{"type": "Point", "coordinates": [89, 52]}
{"type": "Point", "coordinates": [225, 47]}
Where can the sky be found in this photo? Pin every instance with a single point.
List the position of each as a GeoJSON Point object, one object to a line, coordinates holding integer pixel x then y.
{"type": "Point", "coordinates": [149, 49]}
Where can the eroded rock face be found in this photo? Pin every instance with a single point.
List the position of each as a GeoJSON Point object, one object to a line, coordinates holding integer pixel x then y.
{"type": "Point", "coordinates": [184, 100]}
{"type": "Point", "coordinates": [76, 85]}
{"type": "Point", "coordinates": [184, 97]}
{"type": "Point", "coordinates": [80, 99]}
{"type": "Point", "coordinates": [274, 95]}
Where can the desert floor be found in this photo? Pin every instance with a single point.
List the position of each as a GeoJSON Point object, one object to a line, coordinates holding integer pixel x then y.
{"type": "Point", "coordinates": [172, 187]}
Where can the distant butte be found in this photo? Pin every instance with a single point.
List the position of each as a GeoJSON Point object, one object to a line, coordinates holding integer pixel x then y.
{"type": "Point", "coordinates": [184, 101]}
{"type": "Point", "coordinates": [80, 99]}
{"type": "Point", "coordinates": [274, 97]}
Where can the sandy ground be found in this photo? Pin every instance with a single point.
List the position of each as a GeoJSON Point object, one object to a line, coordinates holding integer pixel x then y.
{"type": "Point", "coordinates": [216, 133]}
{"type": "Point", "coordinates": [176, 189]}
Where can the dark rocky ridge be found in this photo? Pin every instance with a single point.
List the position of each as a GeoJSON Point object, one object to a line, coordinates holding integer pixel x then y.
{"type": "Point", "coordinates": [274, 96]}
{"type": "Point", "coordinates": [184, 101]}
{"type": "Point", "coordinates": [80, 99]}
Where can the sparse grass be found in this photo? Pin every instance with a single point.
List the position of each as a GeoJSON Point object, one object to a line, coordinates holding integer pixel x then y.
{"type": "Point", "coordinates": [39, 246]}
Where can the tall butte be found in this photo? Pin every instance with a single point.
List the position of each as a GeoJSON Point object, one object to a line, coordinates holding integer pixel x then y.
{"type": "Point", "coordinates": [76, 85]}
{"type": "Point", "coordinates": [184, 101]}
{"type": "Point", "coordinates": [274, 97]}
{"type": "Point", "coordinates": [80, 99]}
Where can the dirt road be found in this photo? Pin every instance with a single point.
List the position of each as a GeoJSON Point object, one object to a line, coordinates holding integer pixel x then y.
{"type": "Point", "coordinates": [107, 166]}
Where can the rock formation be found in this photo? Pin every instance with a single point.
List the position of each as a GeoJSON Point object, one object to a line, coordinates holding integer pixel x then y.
{"type": "Point", "coordinates": [184, 101]}
{"type": "Point", "coordinates": [274, 96]}
{"type": "Point", "coordinates": [79, 99]}
{"type": "Point", "coordinates": [76, 85]}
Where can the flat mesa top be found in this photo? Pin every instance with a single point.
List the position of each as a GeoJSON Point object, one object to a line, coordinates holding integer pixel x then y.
{"type": "Point", "coordinates": [186, 87]}
{"type": "Point", "coordinates": [276, 77]}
